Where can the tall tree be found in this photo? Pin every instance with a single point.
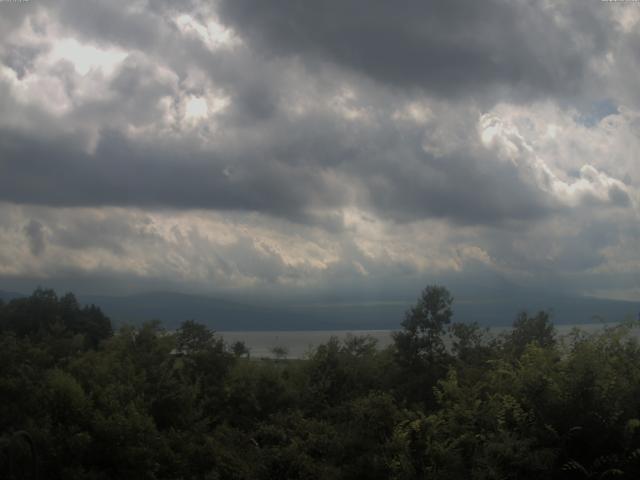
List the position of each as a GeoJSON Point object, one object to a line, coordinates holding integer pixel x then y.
{"type": "Point", "coordinates": [420, 348]}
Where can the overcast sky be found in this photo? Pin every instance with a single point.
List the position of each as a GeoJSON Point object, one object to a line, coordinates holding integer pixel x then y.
{"type": "Point", "coordinates": [335, 149]}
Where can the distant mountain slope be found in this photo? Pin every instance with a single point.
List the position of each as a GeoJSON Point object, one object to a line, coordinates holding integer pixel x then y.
{"type": "Point", "coordinates": [489, 309]}
{"type": "Point", "coordinates": [565, 310]}
{"type": "Point", "coordinates": [6, 296]}
{"type": "Point", "coordinates": [173, 308]}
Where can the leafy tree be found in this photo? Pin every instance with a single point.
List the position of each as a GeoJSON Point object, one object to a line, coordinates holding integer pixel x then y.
{"type": "Point", "coordinates": [18, 457]}
{"type": "Point", "coordinates": [421, 340]}
{"type": "Point", "coordinates": [44, 315]}
{"type": "Point", "coordinates": [280, 352]}
{"type": "Point", "coordinates": [205, 363]}
{"type": "Point", "coordinates": [193, 338]}
{"type": "Point", "coordinates": [240, 349]}
{"type": "Point", "coordinates": [340, 370]}
{"type": "Point", "coordinates": [81, 403]}
{"type": "Point", "coordinates": [420, 347]}
{"type": "Point", "coordinates": [366, 426]}
{"type": "Point", "coordinates": [469, 343]}
{"type": "Point", "coordinates": [527, 329]}
{"type": "Point", "coordinates": [257, 389]}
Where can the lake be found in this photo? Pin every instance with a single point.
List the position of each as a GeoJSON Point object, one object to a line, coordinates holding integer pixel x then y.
{"type": "Point", "coordinates": [297, 343]}
{"type": "Point", "coordinates": [300, 343]}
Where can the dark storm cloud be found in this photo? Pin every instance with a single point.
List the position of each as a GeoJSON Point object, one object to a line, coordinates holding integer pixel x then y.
{"type": "Point", "coordinates": [292, 170]}
{"type": "Point", "coordinates": [446, 48]}
{"type": "Point", "coordinates": [263, 158]}
{"type": "Point", "coordinates": [457, 188]}
{"type": "Point", "coordinates": [122, 173]}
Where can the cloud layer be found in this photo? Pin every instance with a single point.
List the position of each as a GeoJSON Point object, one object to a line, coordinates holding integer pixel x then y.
{"type": "Point", "coordinates": [343, 148]}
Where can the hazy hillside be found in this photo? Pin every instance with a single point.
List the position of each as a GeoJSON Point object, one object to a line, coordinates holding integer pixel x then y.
{"type": "Point", "coordinates": [173, 308]}
{"type": "Point", "coordinates": [6, 296]}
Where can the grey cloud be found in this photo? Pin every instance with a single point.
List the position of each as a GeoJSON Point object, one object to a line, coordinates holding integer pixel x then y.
{"type": "Point", "coordinates": [299, 167]}
{"type": "Point", "coordinates": [456, 48]}
{"type": "Point", "coordinates": [283, 149]}
{"type": "Point", "coordinates": [255, 98]}
{"type": "Point", "coordinates": [19, 58]}
{"type": "Point", "coordinates": [283, 173]}
{"type": "Point", "coordinates": [133, 97]}
{"type": "Point", "coordinates": [569, 245]}
{"type": "Point", "coordinates": [113, 233]}
{"type": "Point", "coordinates": [264, 160]}
{"type": "Point", "coordinates": [249, 261]}
{"type": "Point", "coordinates": [111, 22]}
{"type": "Point", "coordinates": [618, 197]}
{"type": "Point", "coordinates": [467, 187]}
{"type": "Point", "coordinates": [35, 234]}
{"type": "Point", "coordinates": [12, 14]}
{"type": "Point", "coordinates": [123, 173]}
{"type": "Point", "coordinates": [194, 260]}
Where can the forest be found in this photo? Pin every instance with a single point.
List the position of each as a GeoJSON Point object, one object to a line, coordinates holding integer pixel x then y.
{"type": "Point", "coordinates": [446, 400]}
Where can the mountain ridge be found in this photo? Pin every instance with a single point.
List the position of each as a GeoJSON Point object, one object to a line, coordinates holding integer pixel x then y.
{"type": "Point", "coordinates": [231, 314]}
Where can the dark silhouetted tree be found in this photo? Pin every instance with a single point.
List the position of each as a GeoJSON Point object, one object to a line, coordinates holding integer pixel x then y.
{"type": "Point", "coordinates": [420, 347]}
{"type": "Point", "coordinates": [527, 329]}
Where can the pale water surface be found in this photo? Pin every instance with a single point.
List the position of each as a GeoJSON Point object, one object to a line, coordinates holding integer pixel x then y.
{"type": "Point", "coordinates": [297, 343]}
{"type": "Point", "coordinates": [300, 343]}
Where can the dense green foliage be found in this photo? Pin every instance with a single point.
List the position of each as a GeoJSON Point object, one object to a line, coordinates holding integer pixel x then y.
{"type": "Point", "coordinates": [445, 401]}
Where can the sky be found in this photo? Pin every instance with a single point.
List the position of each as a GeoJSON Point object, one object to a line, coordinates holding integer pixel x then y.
{"type": "Point", "coordinates": [352, 150]}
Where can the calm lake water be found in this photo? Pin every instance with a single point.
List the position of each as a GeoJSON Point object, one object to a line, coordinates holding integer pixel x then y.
{"type": "Point", "coordinates": [299, 343]}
